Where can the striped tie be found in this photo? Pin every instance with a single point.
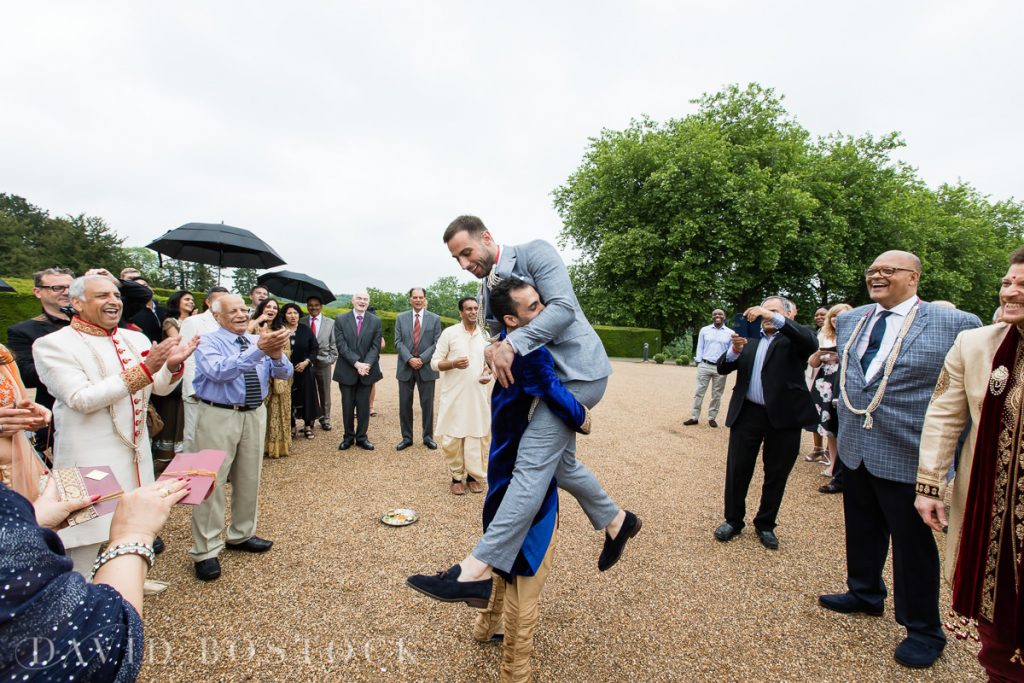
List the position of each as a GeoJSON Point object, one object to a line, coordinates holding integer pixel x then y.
{"type": "Point", "coordinates": [253, 392]}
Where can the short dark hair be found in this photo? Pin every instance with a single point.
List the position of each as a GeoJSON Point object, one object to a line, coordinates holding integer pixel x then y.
{"type": "Point", "coordinates": [1017, 256]}
{"type": "Point", "coordinates": [422, 289]}
{"type": "Point", "coordinates": [311, 298]}
{"type": "Point", "coordinates": [471, 224]}
{"type": "Point", "coordinates": [284, 309]}
{"type": "Point", "coordinates": [278, 321]}
{"type": "Point", "coordinates": [257, 286]}
{"type": "Point", "coordinates": [500, 299]}
{"type": "Point", "coordinates": [37, 277]}
{"type": "Point", "coordinates": [464, 299]}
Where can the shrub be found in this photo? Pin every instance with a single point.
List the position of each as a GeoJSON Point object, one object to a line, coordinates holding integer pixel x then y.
{"type": "Point", "coordinates": [659, 358]}
{"type": "Point", "coordinates": [684, 359]}
{"type": "Point", "coordinates": [680, 346]}
{"type": "Point", "coordinates": [628, 342]}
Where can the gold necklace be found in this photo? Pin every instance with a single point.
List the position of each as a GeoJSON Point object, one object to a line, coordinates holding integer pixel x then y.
{"type": "Point", "coordinates": [890, 363]}
{"type": "Point", "coordinates": [130, 443]}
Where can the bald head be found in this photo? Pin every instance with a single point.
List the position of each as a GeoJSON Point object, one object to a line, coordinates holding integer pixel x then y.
{"type": "Point", "coordinates": [360, 301]}
{"type": "Point", "coordinates": [231, 312]}
{"type": "Point", "coordinates": [893, 278]}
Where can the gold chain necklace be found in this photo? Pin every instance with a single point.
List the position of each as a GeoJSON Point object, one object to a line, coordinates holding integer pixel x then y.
{"type": "Point", "coordinates": [130, 443]}
{"type": "Point", "coordinates": [890, 363]}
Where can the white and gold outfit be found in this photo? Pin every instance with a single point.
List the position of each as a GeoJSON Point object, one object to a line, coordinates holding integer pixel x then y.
{"type": "Point", "coordinates": [102, 391]}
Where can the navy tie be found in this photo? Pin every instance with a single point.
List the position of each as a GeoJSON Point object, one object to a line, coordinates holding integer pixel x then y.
{"type": "Point", "coordinates": [253, 392]}
{"type": "Point", "coordinates": [874, 341]}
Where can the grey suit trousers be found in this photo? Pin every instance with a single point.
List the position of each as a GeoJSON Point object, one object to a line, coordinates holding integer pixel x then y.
{"type": "Point", "coordinates": [547, 449]}
{"type": "Point", "coordinates": [426, 391]}
{"type": "Point", "coordinates": [323, 374]}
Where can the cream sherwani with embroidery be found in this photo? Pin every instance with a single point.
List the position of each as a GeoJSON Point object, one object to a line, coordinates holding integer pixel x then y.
{"type": "Point", "coordinates": [101, 393]}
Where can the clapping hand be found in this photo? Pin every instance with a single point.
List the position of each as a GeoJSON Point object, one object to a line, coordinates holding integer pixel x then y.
{"type": "Point", "coordinates": [159, 353]}
{"type": "Point", "coordinates": [273, 343]}
{"type": "Point", "coordinates": [181, 352]}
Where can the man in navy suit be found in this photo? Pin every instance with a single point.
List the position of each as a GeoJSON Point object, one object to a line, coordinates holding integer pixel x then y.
{"type": "Point", "coordinates": [892, 352]}
{"type": "Point", "coordinates": [769, 405]}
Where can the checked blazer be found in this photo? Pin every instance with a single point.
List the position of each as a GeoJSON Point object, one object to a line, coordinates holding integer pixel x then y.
{"type": "Point", "coordinates": [889, 449]}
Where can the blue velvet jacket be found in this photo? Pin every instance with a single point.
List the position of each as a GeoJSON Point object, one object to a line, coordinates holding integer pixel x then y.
{"type": "Point", "coordinates": [53, 624]}
{"type": "Point", "coordinates": [511, 410]}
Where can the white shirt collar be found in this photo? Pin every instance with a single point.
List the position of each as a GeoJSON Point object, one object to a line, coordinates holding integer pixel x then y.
{"type": "Point", "coordinates": [900, 309]}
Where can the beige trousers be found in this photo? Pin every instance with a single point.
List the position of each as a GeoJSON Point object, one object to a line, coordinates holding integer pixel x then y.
{"type": "Point", "coordinates": [520, 602]}
{"type": "Point", "coordinates": [466, 455]}
{"type": "Point", "coordinates": [240, 435]}
{"type": "Point", "coordinates": [191, 415]}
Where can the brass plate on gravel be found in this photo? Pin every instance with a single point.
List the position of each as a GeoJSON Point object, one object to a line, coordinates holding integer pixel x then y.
{"type": "Point", "coordinates": [400, 517]}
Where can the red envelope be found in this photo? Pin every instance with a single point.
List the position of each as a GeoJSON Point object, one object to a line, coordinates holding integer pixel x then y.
{"type": "Point", "coordinates": [201, 468]}
{"type": "Point", "coordinates": [86, 482]}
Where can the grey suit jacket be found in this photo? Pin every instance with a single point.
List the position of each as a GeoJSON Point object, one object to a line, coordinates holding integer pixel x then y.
{"type": "Point", "coordinates": [430, 332]}
{"type": "Point", "coordinates": [325, 338]}
{"type": "Point", "coordinates": [889, 449]}
{"type": "Point", "coordinates": [352, 349]}
{"type": "Point", "coordinates": [561, 326]}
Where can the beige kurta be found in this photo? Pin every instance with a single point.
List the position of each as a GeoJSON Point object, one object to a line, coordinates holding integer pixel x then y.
{"type": "Point", "coordinates": [465, 405]}
{"type": "Point", "coordinates": [959, 395]}
{"type": "Point", "coordinates": [101, 394]}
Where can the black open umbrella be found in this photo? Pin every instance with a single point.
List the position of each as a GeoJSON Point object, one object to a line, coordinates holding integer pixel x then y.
{"type": "Point", "coordinates": [295, 286]}
{"type": "Point", "coordinates": [4, 287]}
{"type": "Point", "coordinates": [216, 244]}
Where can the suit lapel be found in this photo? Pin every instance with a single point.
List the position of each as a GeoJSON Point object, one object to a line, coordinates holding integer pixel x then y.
{"type": "Point", "coordinates": [507, 263]}
{"type": "Point", "coordinates": [916, 328]}
{"type": "Point", "coordinates": [851, 344]}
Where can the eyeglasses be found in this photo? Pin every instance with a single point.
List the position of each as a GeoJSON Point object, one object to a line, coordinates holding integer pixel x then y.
{"type": "Point", "coordinates": [886, 271]}
{"type": "Point", "coordinates": [56, 289]}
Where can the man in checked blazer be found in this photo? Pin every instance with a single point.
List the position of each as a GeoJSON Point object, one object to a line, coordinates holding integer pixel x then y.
{"type": "Point", "coordinates": [891, 353]}
{"type": "Point", "coordinates": [416, 335]}
{"type": "Point", "coordinates": [357, 336]}
{"type": "Point", "coordinates": [323, 367]}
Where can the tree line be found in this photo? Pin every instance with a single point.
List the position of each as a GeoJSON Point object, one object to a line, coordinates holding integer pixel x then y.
{"type": "Point", "coordinates": [738, 201]}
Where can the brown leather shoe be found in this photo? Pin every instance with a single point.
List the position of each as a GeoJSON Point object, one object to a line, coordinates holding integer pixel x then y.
{"type": "Point", "coordinates": [474, 486]}
{"type": "Point", "coordinates": [458, 489]}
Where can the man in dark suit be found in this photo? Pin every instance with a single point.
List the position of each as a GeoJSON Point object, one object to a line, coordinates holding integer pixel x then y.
{"type": "Point", "coordinates": [357, 336]}
{"type": "Point", "coordinates": [770, 404]}
{"type": "Point", "coordinates": [51, 288]}
{"type": "Point", "coordinates": [416, 335]}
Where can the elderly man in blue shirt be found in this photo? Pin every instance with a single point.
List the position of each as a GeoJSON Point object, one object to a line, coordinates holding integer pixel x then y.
{"type": "Point", "coordinates": [712, 341]}
{"type": "Point", "coordinates": [233, 373]}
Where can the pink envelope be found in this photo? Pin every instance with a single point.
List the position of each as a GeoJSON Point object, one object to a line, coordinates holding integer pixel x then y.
{"type": "Point", "coordinates": [201, 468]}
{"type": "Point", "coordinates": [86, 482]}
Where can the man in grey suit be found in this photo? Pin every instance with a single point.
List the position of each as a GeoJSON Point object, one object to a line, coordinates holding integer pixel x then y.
{"type": "Point", "coordinates": [892, 352]}
{"type": "Point", "coordinates": [357, 337]}
{"type": "Point", "coordinates": [323, 330]}
{"type": "Point", "coordinates": [416, 335]}
{"type": "Point", "coordinates": [548, 446]}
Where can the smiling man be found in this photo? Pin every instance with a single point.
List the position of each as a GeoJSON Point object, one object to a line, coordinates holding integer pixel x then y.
{"type": "Point", "coordinates": [891, 354]}
{"type": "Point", "coordinates": [981, 373]}
{"type": "Point", "coordinates": [102, 377]}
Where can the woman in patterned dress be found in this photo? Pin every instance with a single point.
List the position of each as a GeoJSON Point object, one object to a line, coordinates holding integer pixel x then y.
{"type": "Point", "coordinates": [279, 396]}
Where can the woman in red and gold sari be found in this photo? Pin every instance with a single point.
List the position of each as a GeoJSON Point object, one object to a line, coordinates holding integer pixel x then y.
{"type": "Point", "coordinates": [20, 467]}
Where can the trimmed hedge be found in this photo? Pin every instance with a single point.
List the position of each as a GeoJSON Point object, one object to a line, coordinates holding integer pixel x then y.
{"type": "Point", "coordinates": [619, 342]}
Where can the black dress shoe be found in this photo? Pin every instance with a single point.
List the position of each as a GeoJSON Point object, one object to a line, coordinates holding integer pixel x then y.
{"type": "Point", "coordinates": [430, 443]}
{"type": "Point", "coordinates": [916, 654]}
{"type": "Point", "coordinates": [726, 532]}
{"type": "Point", "coordinates": [768, 539]}
{"type": "Point", "coordinates": [325, 425]}
{"type": "Point", "coordinates": [612, 550]}
{"type": "Point", "coordinates": [848, 604]}
{"type": "Point", "coordinates": [158, 545]}
{"type": "Point", "coordinates": [254, 544]}
{"type": "Point", "coordinates": [403, 444]}
{"type": "Point", "coordinates": [446, 587]}
{"type": "Point", "coordinates": [365, 444]}
{"type": "Point", "coordinates": [712, 423]}
{"type": "Point", "coordinates": [690, 422]}
{"type": "Point", "coordinates": [208, 570]}
{"type": "Point", "coordinates": [346, 444]}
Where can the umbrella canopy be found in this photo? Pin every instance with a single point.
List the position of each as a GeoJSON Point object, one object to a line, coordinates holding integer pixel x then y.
{"type": "Point", "coordinates": [295, 286]}
{"type": "Point", "coordinates": [216, 244]}
{"type": "Point", "coordinates": [4, 287]}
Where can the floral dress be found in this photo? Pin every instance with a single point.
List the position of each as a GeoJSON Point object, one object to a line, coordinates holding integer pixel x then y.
{"type": "Point", "coordinates": [824, 391]}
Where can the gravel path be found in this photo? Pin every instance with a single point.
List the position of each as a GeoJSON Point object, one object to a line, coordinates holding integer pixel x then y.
{"type": "Point", "coordinates": [329, 601]}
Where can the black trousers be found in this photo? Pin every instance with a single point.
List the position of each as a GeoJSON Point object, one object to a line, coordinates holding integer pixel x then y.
{"type": "Point", "coordinates": [426, 391]}
{"type": "Point", "coordinates": [781, 447]}
{"type": "Point", "coordinates": [355, 398]}
{"type": "Point", "coordinates": [875, 510]}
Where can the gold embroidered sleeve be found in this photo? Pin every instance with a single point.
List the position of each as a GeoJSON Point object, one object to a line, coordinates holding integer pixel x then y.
{"type": "Point", "coordinates": [136, 378]}
{"type": "Point", "coordinates": [941, 385]}
{"type": "Point", "coordinates": [928, 489]}
{"type": "Point", "coordinates": [948, 413]}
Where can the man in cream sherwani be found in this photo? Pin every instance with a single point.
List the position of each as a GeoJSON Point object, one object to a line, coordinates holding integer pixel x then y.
{"type": "Point", "coordinates": [102, 377]}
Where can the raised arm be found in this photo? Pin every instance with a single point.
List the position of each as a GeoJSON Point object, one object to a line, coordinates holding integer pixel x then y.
{"type": "Point", "coordinates": [551, 279]}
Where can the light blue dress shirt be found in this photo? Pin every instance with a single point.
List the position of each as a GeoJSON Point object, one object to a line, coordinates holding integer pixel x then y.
{"type": "Point", "coordinates": [712, 342]}
{"type": "Point", "coordinates": [221, 364]}
{"type": "Point", "coordinates": [755, 390]}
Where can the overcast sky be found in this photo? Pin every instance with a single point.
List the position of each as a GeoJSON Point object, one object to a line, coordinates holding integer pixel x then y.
{"type": "Point", "coordinates": [348, 134]}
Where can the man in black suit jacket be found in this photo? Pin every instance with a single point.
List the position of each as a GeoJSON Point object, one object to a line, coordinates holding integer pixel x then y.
{"type": "Point", "coordinates": [770, 404]}
{"type": "Point", "coordinates": [357, 335]}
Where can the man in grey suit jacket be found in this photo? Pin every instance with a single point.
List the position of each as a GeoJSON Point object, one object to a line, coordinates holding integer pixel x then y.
{"type": "Point", "coordinates": [892, 352]}
{"type": "Point", "coordinates": [357, 337]}
{"type": "Point", "coordinates": [548, 446]}
{"type": "Point", "coordinates": [323, 329]}
{"type": "Point", "coordinates": [416, 335]}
